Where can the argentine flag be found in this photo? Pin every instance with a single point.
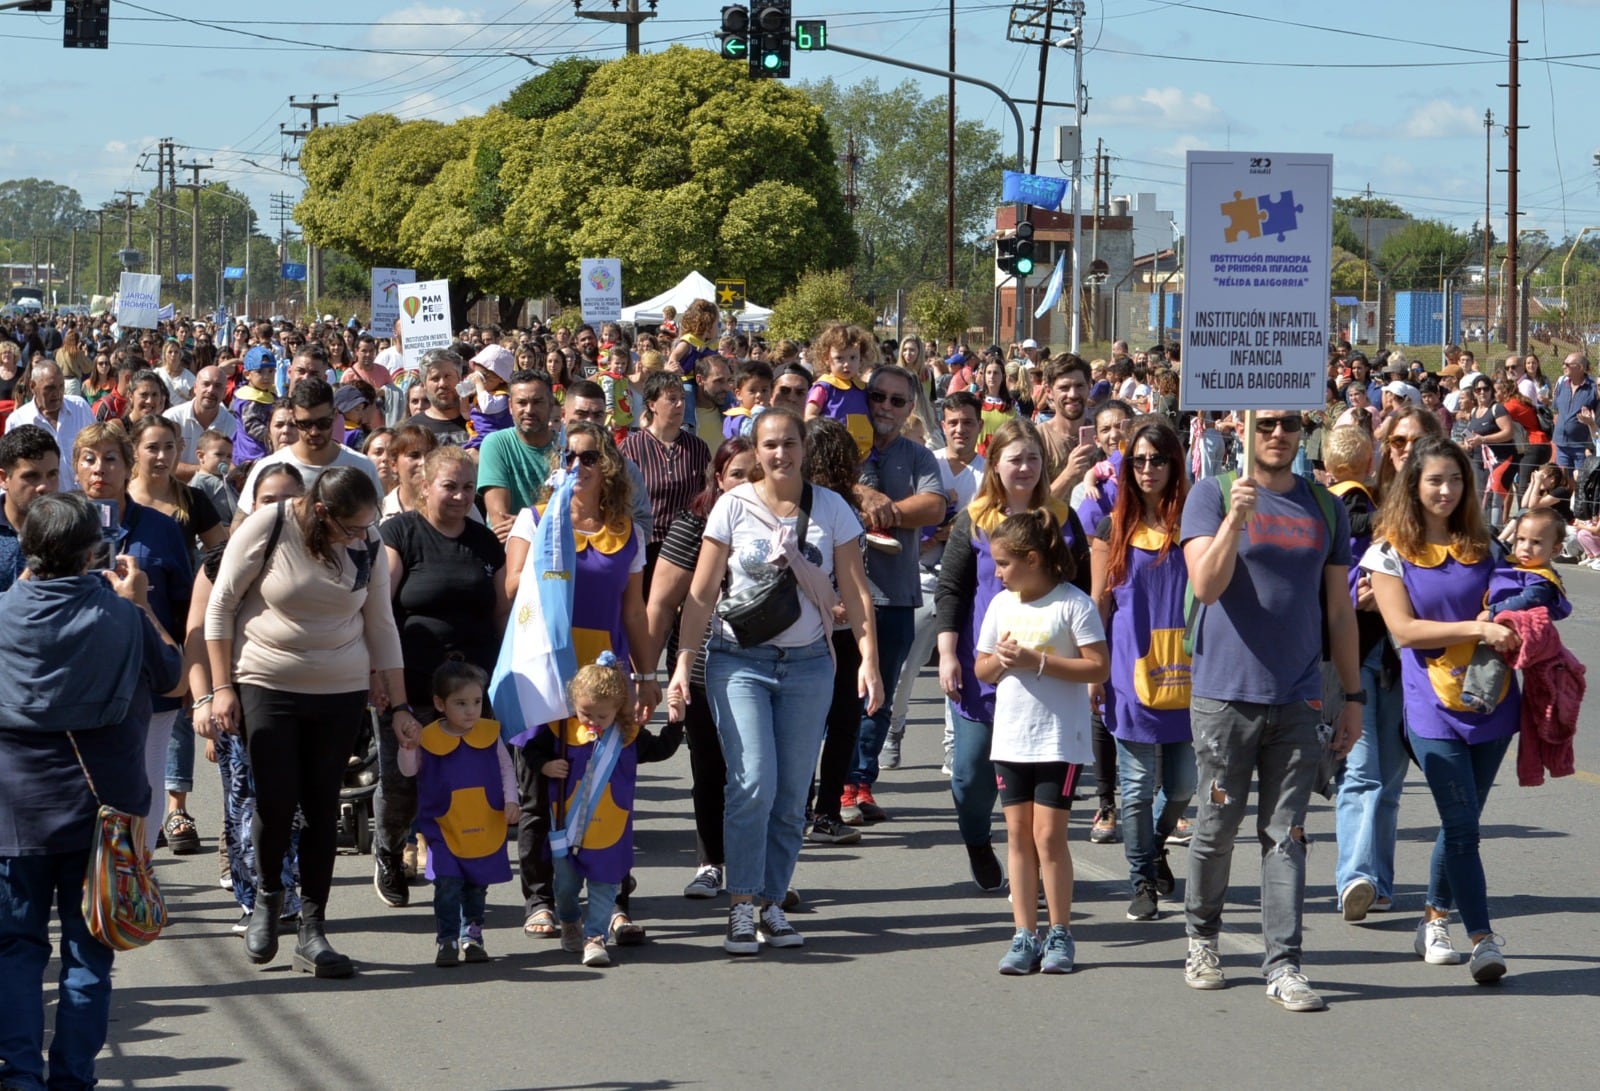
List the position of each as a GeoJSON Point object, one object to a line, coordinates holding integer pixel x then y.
{"type": "Point", "coordinates": [529, 686]}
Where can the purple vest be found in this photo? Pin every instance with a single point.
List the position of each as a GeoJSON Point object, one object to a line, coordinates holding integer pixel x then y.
{"type": "Point", "coordinates": [461, 805]}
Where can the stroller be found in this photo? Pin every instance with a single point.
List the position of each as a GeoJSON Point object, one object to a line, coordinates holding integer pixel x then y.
{"type": "Point", "coordinates": [359, 788]}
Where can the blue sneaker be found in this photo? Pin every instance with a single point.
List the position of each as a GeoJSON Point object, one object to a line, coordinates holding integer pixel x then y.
{"type": "Point", "coordinates": [1059, 951]}
{"type": "Point", "coordinates": [1023, 957]}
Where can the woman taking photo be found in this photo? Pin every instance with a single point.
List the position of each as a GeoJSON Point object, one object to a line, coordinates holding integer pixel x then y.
{"type": "Point", "coordinates": [1429, 576]}
{"type": "Point", "coordinates": [607, 615]}
{"type": "Point", "coordinates": [102, 459]}
{"type": "Point", "coordinates": [731, 467]}
{"type": "Point", "coordinates": [671, 458]}
{"type": "Point", "coordinates": [298, 625]}
{"type": "Point", "coordinates": [1013, 482]}
{"type": "Point", "coordinates": [88, 641]}
{"type": "Point", "coordinates": [1139, 582]}
{"type": "Point", "coordinates": [447, 575]}
{"type": "Point", "coordinates": [770, 700]}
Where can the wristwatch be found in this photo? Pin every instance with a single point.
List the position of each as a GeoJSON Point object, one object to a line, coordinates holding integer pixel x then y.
{"type": "Point", "coordinates": [407, 709]}
{"type": "Point", "coordinates": [1359, 697]}
{"type": "Point", "coordinates": [647, 676]}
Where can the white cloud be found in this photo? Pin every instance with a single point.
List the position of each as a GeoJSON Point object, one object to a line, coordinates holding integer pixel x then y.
{"type": "Point", "coordinates": [1161, 108]}
{"type": "Point", "coordinates": [1435, 119]}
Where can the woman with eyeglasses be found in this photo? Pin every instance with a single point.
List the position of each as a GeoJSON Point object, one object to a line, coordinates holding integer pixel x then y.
{"type": "Point", "coordinates": [299, 630]}
{"type": "Point", "coordinates": [1014, 481]}
{"type": "Point", "coordinates": [101, 380]}
{"type": "Point", "coordinates": [1139, 578]}
{"type": "Point", "coordinates": [608, 615]}
{"type": "Point", "coordinates": [447, 572]}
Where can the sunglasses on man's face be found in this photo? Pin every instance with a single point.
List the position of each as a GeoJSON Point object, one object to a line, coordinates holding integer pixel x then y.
{"type": "Point", "coordinates": [582, 458]}
{"type": "Point", "coordinates": [899, 401]}
{"type": "Point", "coordinates": [1290, 425]}
{"type": "Point", "coordinates": [316, 424]}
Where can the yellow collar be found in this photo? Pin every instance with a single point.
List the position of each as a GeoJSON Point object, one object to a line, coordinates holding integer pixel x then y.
{"type": "Point", "coordinates": [1542, 570]}
{"type": "Point", "coordinates": [439, 742]}
{"type": "Point", "coordinates": [1149, 539]}
{"type": "Point", "coordinates": [693, 340]}
{"type": "Point", "coordinates": [986, 517]}
{"type": "Point", "coordinates": [840, 384]}
{"type": "Point", "coordinates": [737, 411]}
{"type": "Point", "coordinates": [1342, 488]}
{"type": "Point", "coordinates": [1432, 556]}
{"type": "Point", "coordinates": [608, 539]}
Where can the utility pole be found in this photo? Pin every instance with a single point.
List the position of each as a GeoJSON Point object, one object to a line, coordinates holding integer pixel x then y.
{"type": "Point", "coordinates": [222, 256]}
{"type": "Point", "coordinates": [314, 108]}
{"type": "Point", "coordinates": [72, 269]}
{"type": "Point", "coordinates": [1512, 128]}
{"type": "Point", "coordinates": [1366, 243]}
{"type": "Point", "coordinates": [1488, 235]}
{"type": "Point", "coordinates": [950, 163]}
{"type": "Point", "coordinates": [99, 246]}
{"type": "Point", "coordinates": [1094, 246]}
{"type": "Point", "coordinates": [194, 187]}
{"type": "Point", "coordinates": [630, 17]}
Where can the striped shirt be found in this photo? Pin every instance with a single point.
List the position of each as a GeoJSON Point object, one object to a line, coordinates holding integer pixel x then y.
{"type": "Point", "coordinates": [674, 473]}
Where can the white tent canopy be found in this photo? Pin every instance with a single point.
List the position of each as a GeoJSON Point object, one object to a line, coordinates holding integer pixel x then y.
{"type": "Point", "coordinates": [680, 295]}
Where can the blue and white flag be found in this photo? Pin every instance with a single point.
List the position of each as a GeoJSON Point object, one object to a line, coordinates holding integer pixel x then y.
{"type": "Point", "coordinates": [1052, 291]}
{"type": "Point", "coordinates": [1033, 189]}
{"type": "Point", "coordinates": [529, 685]}
{"type": "Point", "coordinates": [233, 272]}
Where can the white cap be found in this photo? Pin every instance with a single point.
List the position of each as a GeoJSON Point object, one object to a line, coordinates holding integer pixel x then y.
{"type": "Point", "coordinates": [1405, 392]}
{"type": "Point", "coordinates": [1030, 343]}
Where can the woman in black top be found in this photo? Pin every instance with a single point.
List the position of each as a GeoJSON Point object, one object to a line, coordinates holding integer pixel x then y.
{"type": "Point", "coordinates": [448, 575]}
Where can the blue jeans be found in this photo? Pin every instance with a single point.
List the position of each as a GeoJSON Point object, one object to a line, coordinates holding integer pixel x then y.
{"type": "Point", "coordinates": [1367, 808]}
{"type": "Point", "coordinates": [1236, 742]}
{"type": "Point", "coordinates": [568, 888]}
{"type": "Point", "coordinates": [896, 631]}
{"type": "Point", "coordinates": [180, 755]}
{"type": "Point", "coordinates": [924, 634]}
{"type": "Point", "coordinates": [771, 708]}
{"type": "Point", "coordinates": [1459, 776]}
{"type": "Point", "coordinates": [238, 826]}
{"type": "Point", "coordinates": [972, 783]}
{"type": "Point", "coordinates": [458, 907]}
{"type": "Point", "coordinates": [30, 886]}
{"type": "Point", "coordinates": [1151, 813]}
{"type": "Point", "coordinates": [1570, 456]}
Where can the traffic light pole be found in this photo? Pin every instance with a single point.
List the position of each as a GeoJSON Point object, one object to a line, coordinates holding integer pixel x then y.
{"type": "Point", "coordinates": [1016, 116]}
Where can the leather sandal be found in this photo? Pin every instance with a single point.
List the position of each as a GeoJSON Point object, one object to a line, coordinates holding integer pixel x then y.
{"type": "Point", "coordinates": [541, 922]}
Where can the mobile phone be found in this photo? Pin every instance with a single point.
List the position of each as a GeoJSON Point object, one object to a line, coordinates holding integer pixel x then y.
{"type": "Point", "coordinates": [105, 554]}
{"type": "Point", "coordinates": [1086, 435]}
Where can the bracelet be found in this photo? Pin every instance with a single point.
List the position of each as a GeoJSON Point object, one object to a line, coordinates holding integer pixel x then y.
{"type": "Point", "coordinates": [206, 700]}
{"type": "Point", "coordinates": [645, 676]}
{"type": "Point", "coordinates": [1040, 673]}
{"type": "Point", "coordinates": [225, 685]}
{"type": "Point", "coordinates": [407, 709]}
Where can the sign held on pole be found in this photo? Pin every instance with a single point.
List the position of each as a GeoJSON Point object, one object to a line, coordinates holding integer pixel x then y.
{"type": "Point", "coordinates": [424, 318]}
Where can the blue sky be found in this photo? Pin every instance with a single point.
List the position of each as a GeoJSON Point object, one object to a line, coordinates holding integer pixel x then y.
{"type": "Point", "coordinates": [1162, 77]}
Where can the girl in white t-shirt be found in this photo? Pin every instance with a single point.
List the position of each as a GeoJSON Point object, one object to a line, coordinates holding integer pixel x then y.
{"type": "Point", "coordinates": [1041, 646]}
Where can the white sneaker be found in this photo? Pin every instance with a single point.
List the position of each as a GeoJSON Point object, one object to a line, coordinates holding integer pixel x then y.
{"type": "Point", "coordinates": [1433, 944]}
{"type": "Point", "coordinates": [707, 882]}
{"type": "Point", "coordinates": [1357, 899]}
{"type": "Point", "coordinates": [1488, 964]}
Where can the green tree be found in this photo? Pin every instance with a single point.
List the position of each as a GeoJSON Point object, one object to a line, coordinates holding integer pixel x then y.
{"type": "Point", "coordinates": [1361, 206]}
{"type": "Point", "coordinates": [36, 206]}
{"type": "Point", "coordinates": [1347, 268]}
{"type": "Point", "coordinates": [901, 206]}
{"type": "Point", "coordinates": [937, 312]}
{"type": "Point", "coordinates": [552, 91]}
{"type": "Point", "coordinates": [1420, 253]}
{"type": "Point", "coordinates": [816, 300]}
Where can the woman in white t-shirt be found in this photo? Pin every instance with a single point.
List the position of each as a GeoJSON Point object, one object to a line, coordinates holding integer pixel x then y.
{"type": "Point", "coordinates": [1041, 646]}
{"type": "Point", "coordinates": [770, 701]}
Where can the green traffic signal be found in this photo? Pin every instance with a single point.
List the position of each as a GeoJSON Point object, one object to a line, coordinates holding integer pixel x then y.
{"type": "Point", "coordinates": [770, 61]}
{"type": "Point", "coordinates": [1023, 266]}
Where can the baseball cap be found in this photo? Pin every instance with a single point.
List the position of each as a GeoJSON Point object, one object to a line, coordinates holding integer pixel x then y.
{"type": "Point", "coordinates": [1452, 371]}
{"type": "Point", "coordinates": [1404, 391]}
{"type": "Point", "coordinates": [1396, 366]}
{"type": "Point", "coordinates": [347, 399]}
{"type": "Point", "coordinates": [1030, 343]}
{"type": "Point", "coordinates": [496, 359]}
{"type": "Point", "coordinates": [258, 358]}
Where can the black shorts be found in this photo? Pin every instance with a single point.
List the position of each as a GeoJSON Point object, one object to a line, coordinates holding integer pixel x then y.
{"type": "Point", "coordinates": [1043, 783]}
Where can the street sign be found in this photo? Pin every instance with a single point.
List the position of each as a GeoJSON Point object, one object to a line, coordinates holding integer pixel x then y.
{"type": "Point", "coordinates": [730, 294]}
{"type": "Point", "coordinates": [810, 34]}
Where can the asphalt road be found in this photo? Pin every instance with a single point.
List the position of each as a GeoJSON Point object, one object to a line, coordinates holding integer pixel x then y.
{"type": "Point", "coordinates": [896, 986]}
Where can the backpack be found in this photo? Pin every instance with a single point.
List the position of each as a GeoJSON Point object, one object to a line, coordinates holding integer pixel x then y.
{"type": "Point", "coordinates": [1586, 497]}
{"type": "Point", "coordinates": [1194, 609]}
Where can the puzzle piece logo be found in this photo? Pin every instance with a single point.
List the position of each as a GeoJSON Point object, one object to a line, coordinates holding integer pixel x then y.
{"type": "Point", "coordinates": [1253, 217]}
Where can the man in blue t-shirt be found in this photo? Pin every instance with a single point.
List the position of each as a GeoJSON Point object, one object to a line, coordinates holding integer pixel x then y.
{"type": "Point", "coordinates": [1575, 409]}
{"type": "Point", "coordinates": [1257, 690]}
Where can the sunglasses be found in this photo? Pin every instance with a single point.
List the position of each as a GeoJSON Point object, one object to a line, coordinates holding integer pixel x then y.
{"type": "Point", "coordinates": [319, 424]}
{"type": "Point", "coordinates": [1401, 443]}
{"type": "Point", "coordinates": [1290, 425]}
{"type": "Point", "coordinates": [1150, 462]}
{"type": "Point", "coordinates": [582, 458]}
{"type": "Point", "coordinates": [899, 401]}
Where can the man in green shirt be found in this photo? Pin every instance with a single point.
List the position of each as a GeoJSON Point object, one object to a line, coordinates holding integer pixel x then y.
{"type": "Point", "coordinates": [514, 463]}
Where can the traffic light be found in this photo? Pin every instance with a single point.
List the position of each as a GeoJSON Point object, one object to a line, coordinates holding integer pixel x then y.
{"type": "Point", "coordinates": [87, 24]}
{"type": "Point", "coordinates": [1022, 262]}
{"type": "Point", "coordinates": [735, 33]}
{"type": "Point", "coordinates": [769, 39]}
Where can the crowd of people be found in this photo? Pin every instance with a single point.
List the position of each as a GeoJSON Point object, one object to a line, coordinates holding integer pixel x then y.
{"type": "Point", "coordinates": [343, 539]}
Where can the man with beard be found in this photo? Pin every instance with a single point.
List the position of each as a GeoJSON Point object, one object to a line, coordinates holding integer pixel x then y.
{"type": "Point", "coordinates": [204, 412]}
{"type": "Point", "coordinates": [1259, 555]}
{"type": "Point", "coordinates": [1066, 384]}
{"type": "Point", "coordinates": [514, 462]}
{"type": "Point", "coordinates": [30, 467]}
{"type": "Point", "coordinates": [588, 346]}
{"type": "Point", "coordinates": [311, 405]}
{"type": "Point", "coordinates": [441, 374]}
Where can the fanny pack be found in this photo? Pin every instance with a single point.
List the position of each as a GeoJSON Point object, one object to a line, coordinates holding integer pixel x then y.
{"type": "Point", "coordinates": [758, 614]}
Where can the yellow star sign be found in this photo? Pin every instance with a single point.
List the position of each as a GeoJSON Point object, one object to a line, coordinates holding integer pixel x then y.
{"type": "Point", "coordinates": [730, 294]}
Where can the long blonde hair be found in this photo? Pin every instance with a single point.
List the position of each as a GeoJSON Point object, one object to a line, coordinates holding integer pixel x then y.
{"type": "Point", "coordinates": [988, 505]}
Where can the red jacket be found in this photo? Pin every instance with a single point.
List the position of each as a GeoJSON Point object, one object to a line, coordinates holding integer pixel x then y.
{"type": "Point", "coordinates": [1552, 689]}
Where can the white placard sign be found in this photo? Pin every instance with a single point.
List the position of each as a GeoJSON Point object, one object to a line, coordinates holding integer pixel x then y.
{"type": "Point", "coordinates": [386, 297]}
{"type": "Point", "coordinates": [1256, 280]}
{"type": "Point", "coordinates": [600, 289]}
{"type": "Point", "coordinates": [139, 301]}
{"type": "Point", "coordinates": [424, 318]}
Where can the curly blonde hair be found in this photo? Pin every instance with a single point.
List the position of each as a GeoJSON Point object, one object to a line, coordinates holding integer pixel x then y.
{"type": "Point", "coordinates": [605, 682]}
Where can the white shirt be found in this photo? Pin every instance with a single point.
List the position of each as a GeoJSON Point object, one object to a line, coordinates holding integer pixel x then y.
{"type": "Point", "coordinates": [965, 483]}
{"type": "Point", "coordinates": [345, 457]}
{"type": "Point", "coordinates": [74, 417]}
{"type": "Point", "coordinates": [180, 387]}
{"type": "Point", "coordinates": [191, 429]}
{"type": "Point", "coordinates": [1042, 719]}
